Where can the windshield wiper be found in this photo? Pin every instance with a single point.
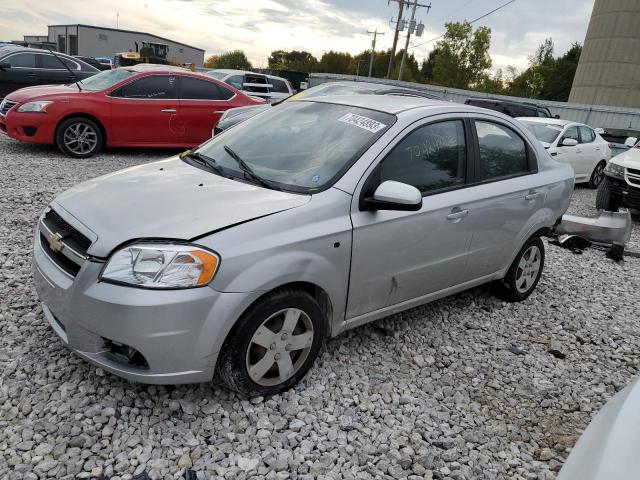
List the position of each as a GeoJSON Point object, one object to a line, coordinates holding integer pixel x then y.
{"type": "Point", "coordinates": [203, 160]}
{"type": "Point", "coordinates": [249, 171]}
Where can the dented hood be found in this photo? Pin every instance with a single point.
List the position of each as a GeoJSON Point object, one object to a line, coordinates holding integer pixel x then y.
{"type": "Point", "coordinates": [167, 199]}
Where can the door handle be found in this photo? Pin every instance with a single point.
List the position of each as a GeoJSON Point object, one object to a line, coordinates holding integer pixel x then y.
{"type": "Point", "coordinates": [532, 196]}
{"type": "Point", "coordinates": [458, 214]}
{"type": "Point", "coordinates": [597, 148]}
{"type": "Point", "coordinates": [168, 110]}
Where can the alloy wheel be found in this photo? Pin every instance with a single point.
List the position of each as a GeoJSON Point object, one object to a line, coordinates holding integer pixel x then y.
{"type": "Point", "coordinates": [598, 174]}
{"type": "Point", "coordinates": [80, 138]}
{"type": "Point", "coordinates": [279, 347]}
{"type": "Point", "coordinates": [528, 269]}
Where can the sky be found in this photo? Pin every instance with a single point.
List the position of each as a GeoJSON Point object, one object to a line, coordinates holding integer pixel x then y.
{"type": "Point", "coordinates": [317, 26]}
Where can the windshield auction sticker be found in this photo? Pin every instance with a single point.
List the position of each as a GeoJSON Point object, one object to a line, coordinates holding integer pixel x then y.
{"type": "Point", "coordinates": [362, 122]}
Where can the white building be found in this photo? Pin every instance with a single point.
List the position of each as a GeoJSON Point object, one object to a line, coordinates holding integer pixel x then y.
{"type": "Point", "coordinates": [91, 41]}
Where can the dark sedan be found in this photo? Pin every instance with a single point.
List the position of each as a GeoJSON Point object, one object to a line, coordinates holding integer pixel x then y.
{"type": "Point", "coordinates": [27, 67]}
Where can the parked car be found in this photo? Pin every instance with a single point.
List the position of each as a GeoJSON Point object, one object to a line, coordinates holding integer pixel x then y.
{"type": "Point", "coordinates": [240, 257]}
{"type": "Point", "coordinates": [25, 67]}
{"type": "Point", "coordinates": [234, 116]}
{"type": "Point", "coordinates": [269, 87]}
{"type": "Point", "coordinates": [617, 138]}
{"type": "Point", "coordinates": [94, 62]}
{"type": "Point", "coordinates": [573, 143]}
{"type": "Point", "coordinates": [620, 186]}
{"type": "Point", "coordinates": [140, 106]}
{"type": "Point", "coordinates": [511, 108]}
{"type": "Point", "coordinates": [609, 446]}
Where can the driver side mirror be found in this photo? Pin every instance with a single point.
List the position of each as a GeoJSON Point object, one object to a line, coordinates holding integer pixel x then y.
{"type": "Point", "coordinates": [569, 142]}
{"type": "Point", "coordinates": [4, 65]}
{"type": "Point", "coordinates": [392, 195]}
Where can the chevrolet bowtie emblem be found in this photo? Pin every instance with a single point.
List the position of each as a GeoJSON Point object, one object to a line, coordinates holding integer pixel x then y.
{"type": "Point", "coordinates": [55, 243]}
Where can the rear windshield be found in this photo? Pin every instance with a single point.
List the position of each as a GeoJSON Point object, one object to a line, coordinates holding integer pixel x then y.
{"type": "Point", "coordinates": [105, 79]}
{"type": "Point", "coordinates": [544, 133]}
{"type": "Point", "coordinates": [300, 146]}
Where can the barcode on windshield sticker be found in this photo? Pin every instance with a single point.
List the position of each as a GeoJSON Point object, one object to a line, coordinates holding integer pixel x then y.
{"type": "Point", "coordinates": [362, 122]}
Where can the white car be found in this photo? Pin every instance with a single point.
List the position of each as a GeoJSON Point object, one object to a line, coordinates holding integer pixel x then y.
{"type": "Point", "coordinates": [269, 87]}
{"type": "Point", "coordinates": [574, 143]}
{"type": "Point", "coordinates": [621, 184]}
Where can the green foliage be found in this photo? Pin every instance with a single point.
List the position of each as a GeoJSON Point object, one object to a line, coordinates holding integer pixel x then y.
{"type": "Point", "coordinates": [335, 62]}
{"type": "Point", "coordinates": [462, 57]}
{"type": "Point", "coordinates": [298, 61]}
{"type": "Point", "coordinates": [234, 59]}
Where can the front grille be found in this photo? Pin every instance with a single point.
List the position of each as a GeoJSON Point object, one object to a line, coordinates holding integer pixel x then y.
{"type": "Point", "coordinates": [633, 171]}
{"type": "Point", "coordinates": [622, 190]}
{"type": "Point", "coordinates": [71, 237]}
{"type": "Point", "coordinates": [6, 105]}
{"type": "Point", "coordinates": [66, 264]}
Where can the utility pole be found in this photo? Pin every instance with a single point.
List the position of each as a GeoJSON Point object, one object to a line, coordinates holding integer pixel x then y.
{"type": "Point", "coordinates": [373, 48]}
{"type": "Point", "coordinates": [412, 26]}
{"type": "Point", "coordinates": [395, 37]}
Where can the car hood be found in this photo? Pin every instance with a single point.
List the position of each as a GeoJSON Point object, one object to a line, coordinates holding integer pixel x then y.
{"type": "Point", "coordinates": [628, 159]}
{"type": "Point", "coordinates": [168, 199]}
{"type": "Point", "coordinates": [31, 93]}
{"type": "Point", "coordinates": [608, 449]}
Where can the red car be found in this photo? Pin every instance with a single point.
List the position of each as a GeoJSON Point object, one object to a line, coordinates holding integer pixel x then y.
{"type": "Point", "coordinates": [141, 106]}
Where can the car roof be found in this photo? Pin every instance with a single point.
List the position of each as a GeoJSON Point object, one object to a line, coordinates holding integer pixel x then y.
{"type": "Point", "coordinates": [392, 104]}
{"type": "Point", "coordinates": [230, 71]}
{"type": "Point", "coordinates": [149, 67]}
{"type": "Point", "coordinates": [550, 121]}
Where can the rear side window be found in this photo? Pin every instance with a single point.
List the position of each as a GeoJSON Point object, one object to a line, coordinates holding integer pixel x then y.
{"type": "Point", "coordinates": [278, 86]}
{"type": "Point", "coordinates": [587, 135]}
{"type": "Point", "coordinates": [24, 60]}
{"type": "Point", "coordinates": [195, 89]}
{"type": "Point", "coordinates": [430, 158]}
{"type": "Point", "coordinates": [503, 152]}
{"type": "Point", "coordinates": [50, 62]}
{"type": "Point", "coordinates": [152, 87]}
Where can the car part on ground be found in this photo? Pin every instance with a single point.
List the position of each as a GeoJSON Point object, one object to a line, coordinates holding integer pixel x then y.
{"type": "Point", "coordinates": [607, 228]}
{"type": "Point", "coordinates": [241, 256]}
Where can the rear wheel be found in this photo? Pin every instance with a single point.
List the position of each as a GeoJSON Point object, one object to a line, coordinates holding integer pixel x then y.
{"type": "Point", "coordinates": [79, 137]}
{"type": "Point", "coordinates": [273, 345]}
{"type": "Point", "coordinates": [524, 273]}
{"type": "Point", "coordinates": [597, 175]}
{"type": "Point", "coordinates": [605, 200]}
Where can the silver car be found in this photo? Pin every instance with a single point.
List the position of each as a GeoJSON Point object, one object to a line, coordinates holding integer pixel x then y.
{"type": "Point", "coordinates": [239, 258]}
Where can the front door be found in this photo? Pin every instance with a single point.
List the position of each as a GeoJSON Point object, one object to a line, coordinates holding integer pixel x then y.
{"type": "Point", "coordinates": [145, 112]}
{"type": "Point", "coordinates": [399, 256]}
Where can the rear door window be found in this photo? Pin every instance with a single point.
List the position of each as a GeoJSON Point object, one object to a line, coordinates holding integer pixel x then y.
{"type": "Point", "coordinates": [22, 60]}
{"type": "Point", "coordinates": [195, 89]}
{"type": "Point", "coordinates": [587, 135]}
{"type": "Point", "coordinates": [503, 153]}
{"type": "Point", "coordinates": [151, 87]}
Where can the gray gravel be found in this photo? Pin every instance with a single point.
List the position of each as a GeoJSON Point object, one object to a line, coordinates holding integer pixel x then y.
{"type": "Point", "coordinates": [466, 387]}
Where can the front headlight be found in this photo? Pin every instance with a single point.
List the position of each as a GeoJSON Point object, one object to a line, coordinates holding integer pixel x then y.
{"type": "Point", "coordinates": [152, 265]}
{"type": "Point", "coordinates": [614, 170]}
{"type": "Point", "coordinates": [35, 107]}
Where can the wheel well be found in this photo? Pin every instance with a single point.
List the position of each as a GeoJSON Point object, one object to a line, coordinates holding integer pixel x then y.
{"type": "Point", "coordinates": [82, 115]}
{"type": "Point", "coordinates": [543, 232]}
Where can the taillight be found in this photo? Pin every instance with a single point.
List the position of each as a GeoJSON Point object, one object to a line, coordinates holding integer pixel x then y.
{"type": "Point", "coordinates": [610, 145]}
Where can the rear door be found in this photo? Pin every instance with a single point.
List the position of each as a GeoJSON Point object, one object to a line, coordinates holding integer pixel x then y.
{"type": "Point", "coordinates": [145, 111]}
{"type": "Point", "coordinates": [202, 103]}
{"type": "Point", "coordinates": [571, 155]}
{"type": "Point", "coordinates": [591, 150]}
{"type": "Point", "coordinates": [23, 73]}
{"type": "Point", "coordinates": [507, 194]}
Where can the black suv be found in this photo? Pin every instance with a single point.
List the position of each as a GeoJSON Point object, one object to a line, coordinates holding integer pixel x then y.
{"type": "Point", "coordinates": [25, 67]}
{"type": "Point", "coordinates": [513, 109]}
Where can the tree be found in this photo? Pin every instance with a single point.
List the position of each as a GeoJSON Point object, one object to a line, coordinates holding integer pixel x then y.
{"type": "Point", "coordinates": [235, 59]}
{"type": "Point", "coordinates": [335, 62]}
{"type": "Point", "coordinates": [298, 61]}
{"type": "Point", "coordinates": [463, 57]}
{"type": "Point", "coordinates": [426, 69]}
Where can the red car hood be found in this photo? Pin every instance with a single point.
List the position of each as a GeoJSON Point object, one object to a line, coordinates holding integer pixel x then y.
{"type": "Point", "coordinates": [32, 93]}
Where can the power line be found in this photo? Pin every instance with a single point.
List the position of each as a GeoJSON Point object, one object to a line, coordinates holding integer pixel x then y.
{"type": "Point", "coordinates": [472, 21]}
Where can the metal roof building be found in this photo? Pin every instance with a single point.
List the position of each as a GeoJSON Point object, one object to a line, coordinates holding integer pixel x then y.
{"type": "Point", "coordinates": [92, 41]}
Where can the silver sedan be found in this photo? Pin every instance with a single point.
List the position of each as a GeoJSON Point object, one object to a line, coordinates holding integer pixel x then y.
{"type": "Point", "coordinates": [239, 258]}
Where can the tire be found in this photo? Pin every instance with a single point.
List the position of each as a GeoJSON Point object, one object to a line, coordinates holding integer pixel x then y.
{"type": "Point", "coordinates": [605, 199]}
{"type": "Point", "coordinates": [597, 175]}
{"type": "Point", "coordinates": [252, 346]}
{"type": "Point", "coordinates": [79, 137]}
{"type": "Point", "coordinates": [524, 273]}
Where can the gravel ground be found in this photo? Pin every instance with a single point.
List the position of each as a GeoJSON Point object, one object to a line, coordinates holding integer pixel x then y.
{"type": "Point", "coordinates": [434, 392]}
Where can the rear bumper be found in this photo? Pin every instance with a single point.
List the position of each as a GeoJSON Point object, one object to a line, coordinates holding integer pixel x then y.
{"type": "Point", "coordinates": [28, 127]}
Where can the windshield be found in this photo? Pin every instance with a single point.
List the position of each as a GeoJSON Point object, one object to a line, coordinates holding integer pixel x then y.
{"type": "Point", "coordinates": [217, 75]}
{"type": "Point", "coordinates": [105, 79]}
{"type": "Point", "coordinates": [544, 133]}
{"type": "Point", "coordinates": [300, 146]}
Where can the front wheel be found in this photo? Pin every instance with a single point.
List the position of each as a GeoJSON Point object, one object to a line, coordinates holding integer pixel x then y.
{"type": "Point", "coordinates": [79, 137]}
{"type": "Point", "coordinates": [605, 200]}
{"type": "Point", "coordinates": [273, 345]}
{"type": "Point", "coordinates": [524, 273]}
{"type": "Point", "coordinates": [597, 175]}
